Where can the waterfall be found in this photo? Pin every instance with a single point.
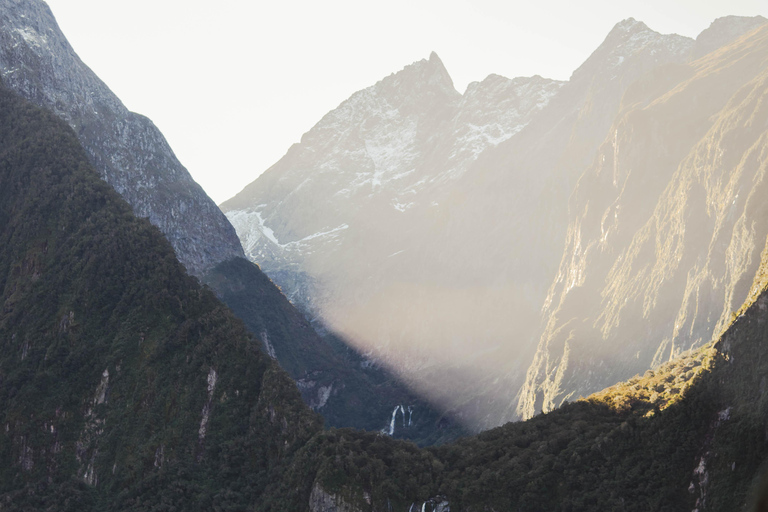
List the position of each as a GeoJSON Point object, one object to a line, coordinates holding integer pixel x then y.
{"type": "Point", "coordinates": [392, 422]}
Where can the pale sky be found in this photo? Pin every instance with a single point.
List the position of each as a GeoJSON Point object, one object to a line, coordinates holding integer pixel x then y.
{"type": "Point", "coordinates": [233, 83]}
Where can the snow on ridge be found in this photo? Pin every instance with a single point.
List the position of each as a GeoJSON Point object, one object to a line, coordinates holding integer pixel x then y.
{"type": "Point", "coordinates": [252, 230]}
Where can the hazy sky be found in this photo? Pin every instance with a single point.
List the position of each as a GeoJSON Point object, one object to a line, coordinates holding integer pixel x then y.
{"type": "Point", "coordinates": [233, 83]}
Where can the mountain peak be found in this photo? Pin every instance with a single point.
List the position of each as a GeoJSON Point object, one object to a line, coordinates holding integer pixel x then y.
{"type": "Point", "coordinates": [724, 30]}
{"type": "Point", "coordinates": [434, 70]}
{"type": "Point", "coordinates": [628, 24]}
{"type": "Point", "coordinates": [425, 75]}
{"type": "Point", "coordinates": [630, 39]}
{"type": "Point", "coordinates": [628, 28]}
{"type": "Point", "coordinates": [38, 62]}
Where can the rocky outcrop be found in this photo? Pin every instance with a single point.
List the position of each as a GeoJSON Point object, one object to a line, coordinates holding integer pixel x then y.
{"type": "Point", "coordinates": [127, 149]}
{"type": "Point", "coordinates": [322, 501]}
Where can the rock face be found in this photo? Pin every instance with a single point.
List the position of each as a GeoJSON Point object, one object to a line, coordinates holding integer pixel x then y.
{"type": "Point", "coordinates": [666, 227]}
{"type": "Point", "coordinates": [129, 152]}
{"type": "Point", "coordinates": [427, 225]}
{"type": "Point", "coordinates": [321, 501]}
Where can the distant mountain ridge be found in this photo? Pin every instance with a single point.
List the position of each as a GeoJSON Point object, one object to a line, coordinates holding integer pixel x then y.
{"type": "Point", "coordinates": [393, 142]}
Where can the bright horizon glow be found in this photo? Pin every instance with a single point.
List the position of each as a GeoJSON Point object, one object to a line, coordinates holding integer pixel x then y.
{"type": "Point", "coordinates": [232, 87]}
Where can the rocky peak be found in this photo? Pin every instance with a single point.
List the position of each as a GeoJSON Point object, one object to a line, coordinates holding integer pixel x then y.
{"type": "Point", "coordinates": [425, 84]}
{"type": "Point", "coordinates": [724, 30]}
{"type": "Point", "coordinates": [630, 41]}
{"type": "Point", "coordinates": [422, 90]}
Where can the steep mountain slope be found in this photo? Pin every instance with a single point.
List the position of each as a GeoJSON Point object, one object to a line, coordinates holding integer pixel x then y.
{"type": "Point", "coordinates": [118, 373]}
{"type": "Point", "coordinates": [129, 152]}
{"type": "Point", "coordinates": [666, 227]}
{"type": "Point", "coordinates": [518, 192]}
{"type": "Point", "coordinates": [426, 225]}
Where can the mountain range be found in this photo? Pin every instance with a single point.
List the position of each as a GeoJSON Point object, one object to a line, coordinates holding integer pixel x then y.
{"type": "Point", "coordinates": [436, 229]}
{"type": "Point", "coordinates": [141, 370]}
{"type": "Point", "coordinates": [125, 385]}
{"type": "Point", "coordinates": [131, 154]}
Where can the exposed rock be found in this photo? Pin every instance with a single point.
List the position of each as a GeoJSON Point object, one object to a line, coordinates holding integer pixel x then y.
{"type": "Point", "coordinates": [666, 228]}
{"type": "Point", "coordinates": [321, 501]}
{"type": "Point", "coordinates": [126, 148]}
{"type": "Point", "coordinates": [212, 379]}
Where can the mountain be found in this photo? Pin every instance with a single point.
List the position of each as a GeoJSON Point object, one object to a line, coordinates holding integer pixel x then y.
{"type": "Point", "coordinates": [666, 227]}
{"type": "Point", "coordinates": [133, 157]}
{"type": "Point", "coordinates": [125, 385]}
{"type": "Point", "coordinates": [426, 225]}
{"type": "Point", "coordinates": [723, 31]}
{"type": "Point", "coordinates": [688, 435]}
{"type": "Point", "coordinates": [368, 162]}
{"type": "Point", "coordinates": [127, 149]}
{"type": "Point", "coordinates": [348, 194]}
{"type": "Point", "coordinates": [118, 371]}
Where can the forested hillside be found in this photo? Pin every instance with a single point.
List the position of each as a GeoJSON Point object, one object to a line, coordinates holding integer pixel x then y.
{"type": "Point", "coordinates": [123, 384]}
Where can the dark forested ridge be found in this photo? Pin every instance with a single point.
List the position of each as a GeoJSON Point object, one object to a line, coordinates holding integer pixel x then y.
{"type": "Point", "coordinates": [124, 385]}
